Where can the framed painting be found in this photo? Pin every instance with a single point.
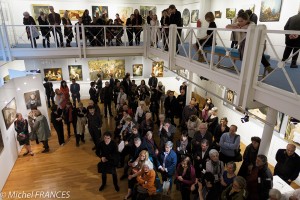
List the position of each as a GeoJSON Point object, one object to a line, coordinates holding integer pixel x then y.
{"type": "Point", "coordinates": [270, 10]}
{"type": "Point", "coordinates": [106, 68]}
{"type": "Point", "coordinates": [1, 142]}
{"type": "Point", "coordinates": [218, 14]}
{"type": "Point", "coordinates": [9, 113]}
{"type": "Point", "coordinates": [186, 17]}
{"type": "Point", "coordinates": [73, 14]}
{"type": "Point", "coordinates": [144, 11]}
{"type": "Point", "coordinates": [230, 13]}
{"type": "Point", "coordinates": [6, 79]}
{"type": "Point", "coordinates": [158, 68]}
{"type": "Point", "coordinates": [137, 69]}
{"type": "Point", "coordinates": [53, 74]}
{"type": "Point", "coordinates": [99, 9]}
{"type": "Point", "coordinates": [32, 99]}
{"type": "Point", "coordinates": [194, 16]}
{"type": "Point", "coordinates": [75, 72]}
{"type": "Point", "coordinates": [125, 13]}
{"type": "Point", "coordinates": [229, 96]}
{"type": "Point", "coordinates": [37, 8]}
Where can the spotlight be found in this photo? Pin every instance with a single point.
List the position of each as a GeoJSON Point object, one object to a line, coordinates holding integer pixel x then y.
{"type": "Point", "coordinates": [245, 119]}
{"type": "Point", "coordinates": [203, 78]}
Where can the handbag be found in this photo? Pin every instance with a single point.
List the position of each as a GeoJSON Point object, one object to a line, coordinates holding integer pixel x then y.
{"type": "Point", "coordinates": [35, 32]}
{"type": "Point", "coordinates": [166, 186]}
{"type": "Point", "coordinates": [21, 137]}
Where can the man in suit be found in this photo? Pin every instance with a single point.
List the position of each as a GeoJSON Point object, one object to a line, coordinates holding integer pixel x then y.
{"type": "Point", "coordinates": [167, 161]}
{"type": "Point", "coordinates": [171, 106]}
{"type": "Point", "coordinates": [175, 18]}
{"type": "Point", "coordinates": [49, 91]}
{"type": "Point", "coordinates": [107, 96]}
{"type": "Point", "coordinates": [75, 89]}
{"type": "Point", "coordinates": [200, 135]}
{"type": "Point", "coordinates": [201, 156]}
{"type": "Point", "coordinates": [288, 164]}
{"type": "Point", "coordinates": [54, 19]}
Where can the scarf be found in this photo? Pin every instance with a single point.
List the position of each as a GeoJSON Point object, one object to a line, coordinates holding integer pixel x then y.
{"type": "Point", "coordinates": [216, 166]}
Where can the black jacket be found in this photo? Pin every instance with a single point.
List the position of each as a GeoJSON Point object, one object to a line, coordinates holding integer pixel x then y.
{"type": "Point", "coordinates": [176, 18]}
{"type": "Point", "coordinates": [287, 167]}
{"type": "Point", "coordinates": [44, 29]}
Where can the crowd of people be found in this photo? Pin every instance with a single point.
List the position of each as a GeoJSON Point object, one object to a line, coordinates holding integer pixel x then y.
{"type": "Point", "coordinates": [51, 23]}
{"type": "Point", "coordinates": [201, 163]}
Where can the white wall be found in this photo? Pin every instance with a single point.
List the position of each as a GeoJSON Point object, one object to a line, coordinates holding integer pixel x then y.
{"type": "Point", "coordinates": [246, 130]}
{"type": "Point", "coordinates": [15, 65]}
{"type": "Point", "coordinates": [168, 78]}
{"type": "Point", "coordinates": [11, 147]}
{"type": "Point", "coordinates": [288, 9]}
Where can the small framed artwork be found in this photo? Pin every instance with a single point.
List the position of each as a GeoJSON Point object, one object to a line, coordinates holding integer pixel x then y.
{"type": "Point", "coordinates": [137, 69]}
{"type": "Point", "coordinates": [75, 72]}
{"type": "Point", "coordinates": [158, 68]}
{"type": "Point", "coordinates": [53, 74]}
{"type": "Point", "coordinates": [194, 16]}
{"type": "Point", "coordinates": [229, 96]}
{"type": "Point", "coordinates": [218, 14]}
{"type": "Point", "coordinates": [270, 10]}
{"type": "Point", "coordinates": [32, 99]}
{"type": "Point", "coordinates": [230, 13]}
{"type": "Point", "coordinates": [9, 113]}
{"type": "Point", "coordinates": [186, 17]}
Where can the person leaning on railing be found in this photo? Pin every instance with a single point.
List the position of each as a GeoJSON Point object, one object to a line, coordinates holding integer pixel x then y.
{"type": "Point", "coordinates": [68, 32]}
{"type": "Point", "coordinates": [42, 19]}
{"type": "Point", "coordinates": [55, 20]}
{"type": "Point", "coordinates": [32, 32]}
{"type": "Point", "coordinates": [243, 22]}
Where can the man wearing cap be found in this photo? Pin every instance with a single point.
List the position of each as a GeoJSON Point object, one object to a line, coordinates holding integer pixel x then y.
{"type": "Point", "coordinates": [75, 89]}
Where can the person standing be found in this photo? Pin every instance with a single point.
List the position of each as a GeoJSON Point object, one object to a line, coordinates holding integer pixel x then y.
{"type": "Point", "coordinates": [42, 129]}
{"type": "Point", "coordinates": [107, 151]}
{"type": "Point", "coordinates": [152, 81]}
{"type": "Point", "coordinates": [31, 31]}
{"type": "Point", "coordinates": [175, 18]}
{"type": "Point", "coordinates": [94, 125]}
{"type": "Point", "coordinates": [68, 116]}
{"type": "Point", "coordinates": [171, 106]}
{"type": "Point", "coordinates": [288, 164]}
{"type": "Point", "coordinates": [65, 90]}
{"type": "Point", "coordinates": [57, 121]}
{"type": "Point", "coordinates": [21, 127]}
{"type": "Point", "coordinates": [55, 20]}
{"type": "Point", "coordinates": [80, 125]}
{"type": "Point", "coordinates": [108, 97]}
{"type": "Point", "coordinates": [165, 22]}
{"type": "Point", "coordinates": [45, 29]}
{"type": "Point", "coordinates": [129, 29]}
{"type": "Point", "coordinates": [149, 17]}
{"type": "Point", "coordinates": [93, 93]}
{"type": "Point", "coordinates": [229, 143]}
{"type": "Point", "coordinates": [137, 22]}
{"type": "Point", "coordinates": [68, 32]}
{"type": "Point", "coordinates": [75, 89]}
{"type": "Point", "coordinates": [292, 41]}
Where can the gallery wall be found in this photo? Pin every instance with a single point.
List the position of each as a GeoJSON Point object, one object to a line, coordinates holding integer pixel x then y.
{"type": "Point", "coordinates": [288, 9]}
{"type": "Point", "coordinates": [15, 89]}
{"type": "Point", "coordinates": [168, 76]}
{"type": "Point", "coordinates": [14, 65]}
{"type": "Point", "coordinates": [246, 130]}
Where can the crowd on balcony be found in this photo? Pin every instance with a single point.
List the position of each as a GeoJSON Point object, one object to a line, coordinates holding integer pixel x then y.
{"type": "Point", "coordinates": [200, 162]}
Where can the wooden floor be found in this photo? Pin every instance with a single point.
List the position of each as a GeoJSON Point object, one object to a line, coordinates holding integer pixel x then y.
{"type": "Point", "coordinates": [67, 168]}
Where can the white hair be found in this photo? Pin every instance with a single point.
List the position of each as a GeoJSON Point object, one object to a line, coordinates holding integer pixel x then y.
{"type": "Point", "coordinates": [275, 193]}
{"type": "Point", "coordinates": [25, 13]}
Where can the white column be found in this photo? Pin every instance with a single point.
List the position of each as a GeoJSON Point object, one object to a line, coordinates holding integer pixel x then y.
{"type": "Point", "coordinates": [268, 131]}
{"type": "Point", "coordinates": [189, 88]}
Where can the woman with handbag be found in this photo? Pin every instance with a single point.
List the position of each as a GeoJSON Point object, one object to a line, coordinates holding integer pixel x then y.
{"type": "Point", "coordinates": [185, 177]}
{"type": "Point", "coordinates": [21, 127]}
{"type": "Point", "coordinates": [32, 32]}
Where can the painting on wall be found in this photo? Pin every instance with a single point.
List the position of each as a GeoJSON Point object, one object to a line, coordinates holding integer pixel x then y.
{"type": "Point", "coordinates": [186, 17]}
{"type": "Point", "coordinates": [53, 74]}
{"type": "Point", "coordinates": [292, 132]}
{"type": "Point", "coordinates": [262, 113]}
{"type": "Point", "coordinates": [9, 113]}
{"type": "Point", "coordinates": [75, 72]}
{"type": "Point", "coordinates": [194, 16]}
{"type": "Point", "coordinates": [158, 68]}
{"type": "Point", "coordinates": [105, 68]}
{"type": "Point", "coordinates": [124, 13]}
{"type": "Point", "coordinates": [218, 14]}
{"type": "Point", "coordinates": [230, 13]}
{"type": "Point", "coordinates": [99, 9]}
{"type": "Point", "coordinates": [32, 99]}
{"type": "Point", "coordinates": [144, 11]}
{"type": "Point", "coordinates": [6, 79]}
{"type": "Point", "coordinates": [270, 10]}
{"type": "Point", "coordinates": [73, 14]}
{"type": "Point", "coordinates": [1, 142]}
{"type": "Point", "coordinates": [137, 69]}
{"type": "Point", "coordinates": [37, 8]}
{"type": "Point", "coordinates": [229, 96]}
